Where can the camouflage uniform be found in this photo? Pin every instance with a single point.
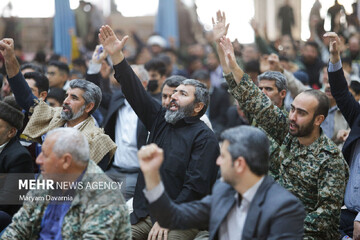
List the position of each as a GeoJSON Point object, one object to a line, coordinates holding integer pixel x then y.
{"type": "Point", "coordinates": [316, 174]}
{"type": "Point", "coordinates": [93, 214]}
{"type": "Point", "coordinates": [274, 149]}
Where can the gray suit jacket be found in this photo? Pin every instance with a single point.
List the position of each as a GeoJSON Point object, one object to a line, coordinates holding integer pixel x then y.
{"type": "Point", "coordinates": [274, 212]}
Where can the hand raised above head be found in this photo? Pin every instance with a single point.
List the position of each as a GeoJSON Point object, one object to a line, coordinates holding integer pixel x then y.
{"type": "Point", "coordinates": [220, 27]}
{"type": "Point", "coordinates": [228, 49]}
{"type": "Point", "coordinates": [7, 47]}
{"type": "Point", "coordinates": [99, 54]}
{"type": "Point", "coordinates": [112, 44]}
{"type": "Point", "coordinates": [334, 46]}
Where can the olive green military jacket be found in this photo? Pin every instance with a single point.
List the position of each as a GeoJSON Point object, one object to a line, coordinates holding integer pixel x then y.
{"type": "Point", "coordinates": [316, 174]}
{"type": "Point", "coordinates": [95, 212]}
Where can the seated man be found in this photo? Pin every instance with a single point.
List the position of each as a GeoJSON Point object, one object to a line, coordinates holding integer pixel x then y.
{"type": "Point", "coordinates": [190, 147]}
{"type": "Point", "coordinates": [245, 204]}
{"type": "Point", "coordinates": [14, 158]}
{"type": "Point", "coordinates": [81, 212]}
{"type": "Point", "coordinates": [309, 164]}
{"type": "Point", "coordinates": [82, 100]}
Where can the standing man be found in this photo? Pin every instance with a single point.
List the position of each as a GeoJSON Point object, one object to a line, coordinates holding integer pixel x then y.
{"type": "Point", "coordinates": [244, 204]}
{"type": "Point", "coordinates": [82, 99]}
{"type": "Point", "coordinates": [350, 108]}
{"type": "Point", "coordinates": [310, 164]}
{"type": "Point", "coordinates": [190, 147]}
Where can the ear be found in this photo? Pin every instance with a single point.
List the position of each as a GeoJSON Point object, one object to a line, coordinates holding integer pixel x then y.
{"type": "Point", "coordinates": [198, 107]}
{"type": "Point", "coordinates": [282, 94]}
{"type": "Point", "coordinates": [43, 95]}
{"type": "Point", "coordinates": [12, 132]}
{"type": "Point", "coordinates": [89, 107]}
{"type": "Point", "coordinates": [240, 165]}
{"type": "Point", "coordinates": [319, 119]}
{"type": "Point", "coordinates": [66, 161]}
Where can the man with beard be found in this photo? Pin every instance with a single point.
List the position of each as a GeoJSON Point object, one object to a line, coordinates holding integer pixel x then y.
{"type": "Point", "coordinates": [246, 204]}
{"type": "Point", "coordinates": [310, 164]}
{"type": "Point", "coordinates": [313, 63]}
{"type": "Point", "coordinates": [190, 147]}
{"type": "Point", "coordinates": [82, 100]}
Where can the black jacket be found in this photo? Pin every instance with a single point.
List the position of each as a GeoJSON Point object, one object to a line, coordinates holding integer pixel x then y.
{"type": "Point", "coordinates": [13, 159]}
{"type": "Point", "coordinates": [190, 148]}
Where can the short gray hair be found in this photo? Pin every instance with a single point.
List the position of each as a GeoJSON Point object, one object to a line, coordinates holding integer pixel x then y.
{"type": "Point", "coordinates": [250, 143]}
{"type": "Point", "coordinates": [201, 93]}
{"type": "Point", "coordinates": [279, 78]}
{"type": "Point", "coordinates": [141, 72]}
{"type": "Point", "coordinates": [70, 140]}
{"type": "Point", "coordinates": [92, 93]}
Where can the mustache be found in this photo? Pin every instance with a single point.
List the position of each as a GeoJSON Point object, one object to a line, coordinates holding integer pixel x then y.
{"type": "Point", "coordinates": [293, 122]}
{"type": "Point", "coordinates": [66, 107]}
{"type": "Point", "coordinates": [173, 102]}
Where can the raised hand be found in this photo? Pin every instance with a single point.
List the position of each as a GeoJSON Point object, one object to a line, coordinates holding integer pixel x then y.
{"type": "Point", "coordinates": [334, 46]}
{"type": "Point", "coordinates": [11, 63]}
{"type": "Point", "coordinates": [228, 49]}
{"type": "Point", "coordinates": [112, 44]}
{"type": "Point", "coordinates": [274, 63]}
{"type": "Point", "coordinates": [219, 26]}
{"type": "Point", "coordinates": [7, 48]}
{"type": "Point", "coordinates": [99, 54]}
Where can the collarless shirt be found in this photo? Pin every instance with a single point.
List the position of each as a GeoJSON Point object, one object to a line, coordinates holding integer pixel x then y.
{"type": "Point", "coordinates": [232, 227]}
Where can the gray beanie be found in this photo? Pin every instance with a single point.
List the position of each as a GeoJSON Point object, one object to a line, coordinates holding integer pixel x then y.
{"type": "Point", "coordinates": [11, 112]}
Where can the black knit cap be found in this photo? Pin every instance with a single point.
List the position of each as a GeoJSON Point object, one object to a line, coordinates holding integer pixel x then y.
{"type": "Point", "coordinates": [11, 112]}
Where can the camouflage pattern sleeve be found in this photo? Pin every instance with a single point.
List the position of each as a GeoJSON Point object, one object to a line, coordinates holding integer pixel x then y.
{"type": "Point", "coordinates": [258, 106]}
{"type": "Point", "coordinates": [24, 224]}
{"type": "Point", "coordinates": [324, 219]}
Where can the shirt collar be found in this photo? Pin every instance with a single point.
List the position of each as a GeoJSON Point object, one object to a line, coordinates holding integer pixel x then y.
{"type": "Point", "coordinates": [3, 146]}
{"type": "Point", "coordinates": [248, 196]}
{"type": "Point", "coordinates": [77, 126]}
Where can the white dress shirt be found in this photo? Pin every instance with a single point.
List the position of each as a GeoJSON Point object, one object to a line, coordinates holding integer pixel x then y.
{"type": "Point", "coordinates": [233, 225]}
{"type": "Point", "coordinates": [125, 138]}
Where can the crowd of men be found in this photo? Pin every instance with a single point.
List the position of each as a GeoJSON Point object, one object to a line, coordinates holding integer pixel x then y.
{"type": "Point", "coordinates": [183, 162]}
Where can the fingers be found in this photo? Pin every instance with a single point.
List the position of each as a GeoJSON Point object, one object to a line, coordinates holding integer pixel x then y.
{"type": "Point", "coordinates": [227, 27]}
{"type": "Point", "coordinates": [146, 152]}
{"type": "Point", "coordinates": [166, 234]}
{"type": "Point", "coordinates": [330, 34]}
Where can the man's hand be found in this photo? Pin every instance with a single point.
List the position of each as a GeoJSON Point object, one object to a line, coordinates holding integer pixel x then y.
{"type": "Point", "coordinates": [228, 49]}
{"type": "Point", "coordinates": [342, 135]}
{"type": "Point", "coordinates": [274, 63]}
{"type": "Point", "coordinates": [158, 232]}
{"type": "Point", "coordinates": [99, 54]}
{"type": "Point", "coordinates": [220, 28]}
{"type": "Point", "coordinates": [334, 46]}
{"type": "Point", "coordinates": [356, 233]}
{"type": "Point", "coordinates": [112, 44]}
{"type": "Point", "coordinates": [254, 26]}
{"type": "Point", "coordinates": [11, 63]}
{"type": "Point", "coordinates": [151, 158]}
